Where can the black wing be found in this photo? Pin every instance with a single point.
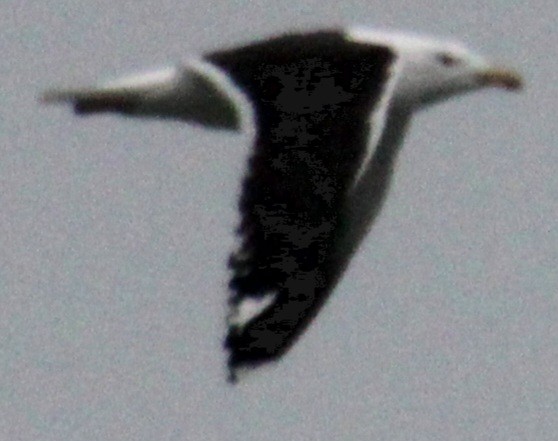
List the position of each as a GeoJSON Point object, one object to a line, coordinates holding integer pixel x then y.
{"type": "Point", "coordinates": [312, 97]}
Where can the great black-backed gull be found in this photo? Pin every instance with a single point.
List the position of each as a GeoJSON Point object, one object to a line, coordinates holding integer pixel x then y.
{"type": "Point", "coordinates": [328, 111]}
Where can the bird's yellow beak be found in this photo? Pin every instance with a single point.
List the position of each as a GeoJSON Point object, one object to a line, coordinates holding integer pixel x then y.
{"type": "Point", "coordinates": [501, 77]}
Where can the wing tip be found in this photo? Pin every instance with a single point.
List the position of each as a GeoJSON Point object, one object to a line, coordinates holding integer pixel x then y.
{"type": "Point", "coordinates": [240, 363]}
{"type": "Point", "coordinates": [244, 354]}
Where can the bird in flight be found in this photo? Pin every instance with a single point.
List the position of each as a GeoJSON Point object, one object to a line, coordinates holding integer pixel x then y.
{"type": "Point", "coordinates": [328, 111]}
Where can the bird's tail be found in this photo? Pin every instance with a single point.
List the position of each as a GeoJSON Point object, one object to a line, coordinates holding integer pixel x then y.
{"type": "Point", "coordinates": [86, 101]}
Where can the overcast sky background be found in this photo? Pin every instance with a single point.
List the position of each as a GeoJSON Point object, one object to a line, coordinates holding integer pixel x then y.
{"type": "Point", "coordinates": [114, 235]}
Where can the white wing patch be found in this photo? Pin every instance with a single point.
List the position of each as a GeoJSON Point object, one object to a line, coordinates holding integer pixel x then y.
{"type": "Point", "coordinates": [249, 308]}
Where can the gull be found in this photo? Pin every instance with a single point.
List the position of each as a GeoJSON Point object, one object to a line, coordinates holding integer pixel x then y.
{"type": "Point", "coordinates": [327, 111]}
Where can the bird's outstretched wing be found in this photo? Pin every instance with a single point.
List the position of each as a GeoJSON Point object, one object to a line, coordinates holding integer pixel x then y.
{"type": "Point", "coordinates": [312, 102]}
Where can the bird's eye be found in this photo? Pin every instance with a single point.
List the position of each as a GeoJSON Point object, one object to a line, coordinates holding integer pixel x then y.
{"type": "Point", "coordinates": [446, 59]}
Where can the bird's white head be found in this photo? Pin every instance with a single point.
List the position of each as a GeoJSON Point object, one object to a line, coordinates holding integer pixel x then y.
{"type": "Point", "coordinates": [429, 70]}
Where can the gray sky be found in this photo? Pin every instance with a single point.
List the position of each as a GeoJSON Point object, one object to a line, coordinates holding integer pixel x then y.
{"type": "Point", "coordinates": [114, 235]}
